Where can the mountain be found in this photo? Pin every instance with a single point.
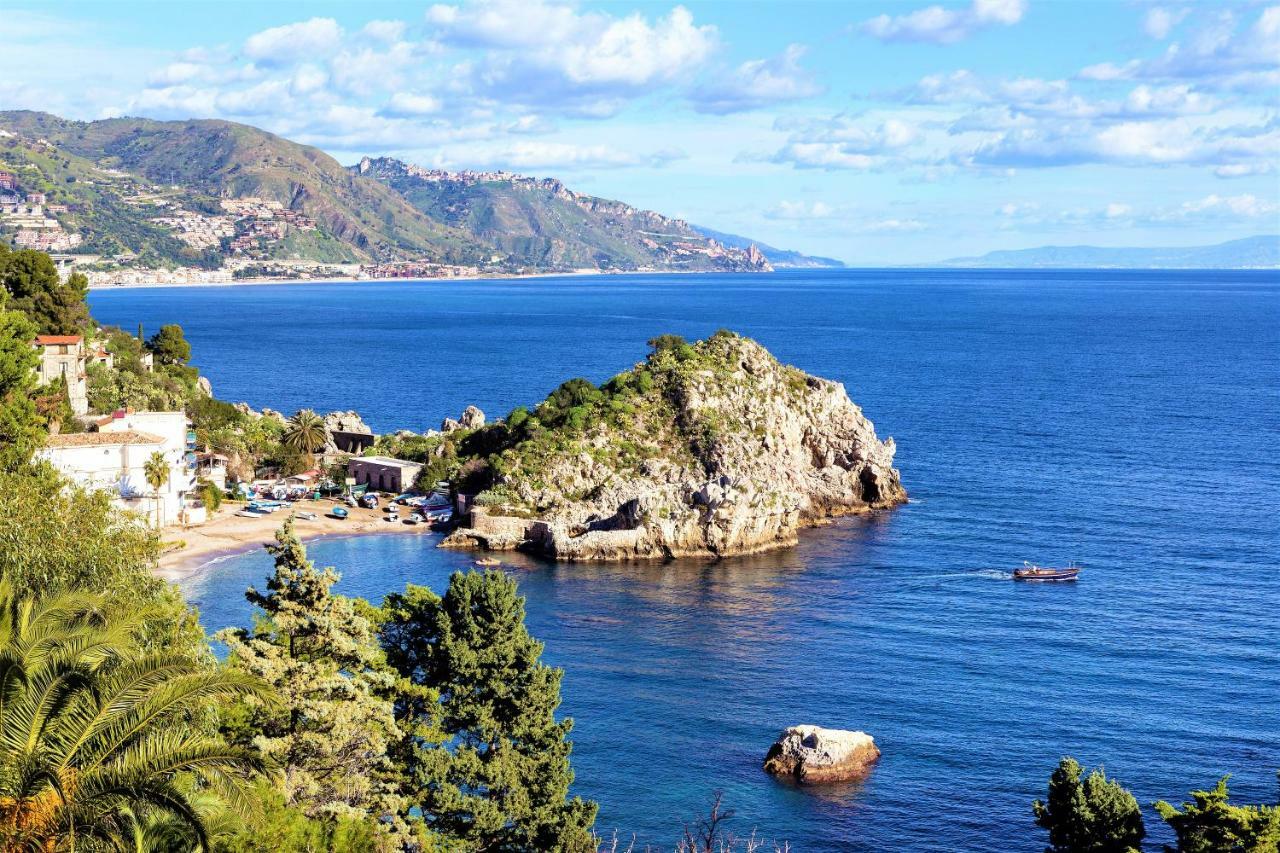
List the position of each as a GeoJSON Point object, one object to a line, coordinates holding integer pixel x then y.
{"type": "Point", "coordinates": [1261, 252]}
{"type": "Point", "coordinates": [780, 258]}
{"type": "Point", "coordinates": [204, 192]}
{"type": "Point", "coordinates": [541, 223]}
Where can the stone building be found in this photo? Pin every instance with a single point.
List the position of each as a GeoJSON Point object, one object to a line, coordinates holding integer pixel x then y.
{"type": "Point", "coordinates": [63, 357]}
{"type": "Point", "coordinates": [384, 474]}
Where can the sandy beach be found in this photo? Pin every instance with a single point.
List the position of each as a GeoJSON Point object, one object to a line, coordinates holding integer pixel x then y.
{"type": "Point", "coordinates": [229, 533]}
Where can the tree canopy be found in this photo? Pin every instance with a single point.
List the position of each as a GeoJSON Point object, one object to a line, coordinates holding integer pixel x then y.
{"type": "Point", "coordinates": [1094, 816]}
{"type": "Point", "coordinates": [169, 345]}
{"type": "Point", "coordinates": [31, 280]}
{"type": "Point", "coordinates": [1209, 823]}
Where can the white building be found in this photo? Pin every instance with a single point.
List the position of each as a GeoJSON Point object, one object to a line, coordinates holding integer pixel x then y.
{"type": "Point", "coordinates": [114, 458]}
{"type": "Point", "coordinates": [62, 357]}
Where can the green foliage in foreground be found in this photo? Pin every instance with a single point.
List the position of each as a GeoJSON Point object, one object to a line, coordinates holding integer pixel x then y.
{"type": "Point", "coordinates": [1209, 823]}
{"type": "Point", "coordinates": [502, 782]}
{"type": "Point", "coordinates": [1096, 815]}
{"type": "Point", "coordinates": [21, 430]}
{"type": "Point", "coordinates": [95, 733]}
{"type": "Point", "coordinates": [333, 732]}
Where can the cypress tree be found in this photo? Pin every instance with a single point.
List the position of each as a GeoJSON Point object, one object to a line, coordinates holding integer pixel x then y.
{"type": "Point", "coordinates": [1097, 815]}
{"type": "Point", "coordinates": [501, 781]}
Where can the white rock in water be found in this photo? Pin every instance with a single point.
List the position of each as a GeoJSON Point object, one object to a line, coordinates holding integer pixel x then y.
{"type": "Point", "coordinates": [812, 755]}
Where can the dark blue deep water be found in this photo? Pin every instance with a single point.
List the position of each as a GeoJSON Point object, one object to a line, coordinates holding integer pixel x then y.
{"type": "Point", "coordinates": [1127, 420]}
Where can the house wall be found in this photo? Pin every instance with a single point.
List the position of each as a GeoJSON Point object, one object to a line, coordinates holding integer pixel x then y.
{"type": "Point", "coordinates": [384, 476]}
{"type": "Point", "coordinates": [65, 361]}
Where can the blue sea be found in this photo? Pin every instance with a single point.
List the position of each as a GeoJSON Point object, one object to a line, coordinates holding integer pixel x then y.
{"type": "Point", "coordinates": [1127, 420]}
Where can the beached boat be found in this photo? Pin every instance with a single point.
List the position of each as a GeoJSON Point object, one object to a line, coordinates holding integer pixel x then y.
{"type": "Point", "coordinates": [369, 501]}
{"type": "Point", "coordinates": [248, 513]}
{"type": "Point", "coordinates": [306, 516]}
{"type": "Point", "coordinates": [338, 512]}
{"type": "Point", "coordinates": [1030, 572]}
{"type": "Point", "coordinates": [413, 518]}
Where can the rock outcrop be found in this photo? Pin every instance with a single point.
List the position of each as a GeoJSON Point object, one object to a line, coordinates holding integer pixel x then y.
{"type": "Point", "coordinates": [472, 418]}
{"type": "Point", "coordinates": [711, 449]}
{"type": "Point", "coordinates": [811, 755]}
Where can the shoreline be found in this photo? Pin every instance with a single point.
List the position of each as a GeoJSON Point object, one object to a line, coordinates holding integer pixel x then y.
{"type": "Point", "coordinates": [228, 534]}
{"type": "Point", "coordinates": [255, 282]}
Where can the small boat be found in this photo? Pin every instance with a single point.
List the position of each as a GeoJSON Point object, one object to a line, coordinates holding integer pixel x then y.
{"type": "Point", "coordinates": [338, 512]}
{"type": "Point", "coordinates": [306, 516]}
{"type": "Point", "coordinates": [413, 518]}
{"type": "Point", "coordinates": [349, 500]}
{"type": "Point", "coordinates": [369, 501]}
{"type": "Point", "coordinates": [248, 513]}
{"type": "Point", "coordinates": [1030, 572]}
{"type": "Point", "coordinates": [488, 561]}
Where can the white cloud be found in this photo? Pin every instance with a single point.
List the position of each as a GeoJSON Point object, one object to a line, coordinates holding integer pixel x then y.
{"type": "Point", "coordinates": [800, 210]}
{"type": "Point", "coordinates": [529, 156]}
{"type": "Point", "coordinates": [1243, 206]}
{"type": "Point", "coordinates": [758, 83]}
{"type": "Point", "coordinates": [387, 32]}
{"type": "Point", "coordinates": [1160, 21]}
{"type": "Point", "coordinates": [404, 104]}
{"type": "Point", "coordinates": [884, 226]}
{"type": "Point", "coordinates": [940, 25]}
{"type": "Point", "coordinates": [1116, 210]}
{"type": "Point", "coordinates": [578, 62]}
{"type": "Point", "coordinates": [293, 42]}
{"type": "Point", "coordinates": [841, 142]}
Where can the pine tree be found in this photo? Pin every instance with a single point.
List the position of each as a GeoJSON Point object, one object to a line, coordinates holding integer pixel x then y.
{"type": "Point", "coordinates": [1210, 823]}
{"type": "Point", "coordinates": [1094, 816]}
{"type": "Point", "coordinates": [502, 780]}
{"type": "Point", "coordinates": [332, 732]}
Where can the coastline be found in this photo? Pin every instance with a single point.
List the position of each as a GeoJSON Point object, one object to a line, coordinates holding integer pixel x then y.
{"type": "Point", "coordinates": [229, 534]}
{"type": "Point", "coordinates": [252, 282]}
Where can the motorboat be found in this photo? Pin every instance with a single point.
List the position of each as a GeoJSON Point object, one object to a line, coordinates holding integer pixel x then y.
{"type": "Point", "coordinates": [1032, 572]}
{"type": "Point", "coordinates": [306, 516]}
{"type": "Point", "coordinates": [338, 512]}
{"type": "Point", "coordinates": [413, 518]}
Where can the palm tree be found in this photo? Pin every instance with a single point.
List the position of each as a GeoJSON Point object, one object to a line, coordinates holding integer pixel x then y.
{"type": "Point", "coordinates": [305, 433]}
{"type": "Point", "coordinates": [94, 734]}
{"type": "Point", "coordinates": [156, 470]}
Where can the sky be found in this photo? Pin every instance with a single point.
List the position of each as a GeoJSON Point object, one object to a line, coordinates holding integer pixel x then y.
{"type": "Point", "coordinates": [880, 132]}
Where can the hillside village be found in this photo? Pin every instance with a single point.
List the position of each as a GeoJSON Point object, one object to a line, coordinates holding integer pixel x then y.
{"type": "Point", "coordinates": [115, 210]}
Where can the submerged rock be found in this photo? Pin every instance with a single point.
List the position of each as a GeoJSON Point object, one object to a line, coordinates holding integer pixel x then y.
{"type": "Point", "coordinates": [812, 755]}
{"type": "Point", "coordinates": [705, 450]}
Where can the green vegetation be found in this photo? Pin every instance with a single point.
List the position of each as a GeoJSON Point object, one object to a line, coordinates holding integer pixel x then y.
{"type": "Point", "coordinates": [1209, 823]}
{"type": "Point", "coordinates": [169, 346]}
{"type": "Point", "coordinates": [1097, 815]}
{"type": "Point", "coordinates": [305, 434]}
{"type": "Point", "coordinates": [33, 286]}
{"type": "Point", "coordinates": [91, 727]}
{"type": "Point", "coordinates": [501, 780]}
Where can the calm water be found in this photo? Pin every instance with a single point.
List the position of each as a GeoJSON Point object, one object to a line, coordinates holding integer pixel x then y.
{"type": "Point", "coordinates": [1130, 421]}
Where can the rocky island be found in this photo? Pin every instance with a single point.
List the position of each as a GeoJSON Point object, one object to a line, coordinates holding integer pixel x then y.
{"type": "Point", "coordinates": [707, 449]}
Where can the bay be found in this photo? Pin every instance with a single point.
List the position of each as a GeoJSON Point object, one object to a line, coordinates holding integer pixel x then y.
{"type": "Point", "coordinates": [1127, 420]}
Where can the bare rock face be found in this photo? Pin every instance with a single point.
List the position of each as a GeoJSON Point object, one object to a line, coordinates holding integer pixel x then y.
{"type": "Point", "coordinates": [811, 755]}
{"type": "Point", "coordinates": [346, 422]}
{"type": "Point", "coordinates": [450, 425]}
{"type": "Point", "coordinates": [274, 415]}
{"type": "Point", "coordinates": [204, 385]}
{"type": "Point", "coordinates": [472, 418]}
{"type": "Point", "coordinates": [721, 451]}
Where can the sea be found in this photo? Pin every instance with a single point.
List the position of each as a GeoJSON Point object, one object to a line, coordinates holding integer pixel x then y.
{"type": "Point", "coordinates": [1126, 420]}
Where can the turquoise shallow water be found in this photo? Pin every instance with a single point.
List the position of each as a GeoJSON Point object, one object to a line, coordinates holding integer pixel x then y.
{"type": "Point", "coordinates": [1127, 420]}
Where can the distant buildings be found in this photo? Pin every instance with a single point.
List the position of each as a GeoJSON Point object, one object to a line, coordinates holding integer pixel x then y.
{"type": "Point", "coordinates": [63, 357]}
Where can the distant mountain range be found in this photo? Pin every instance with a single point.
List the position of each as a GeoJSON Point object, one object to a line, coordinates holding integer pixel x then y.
{"type": "Point", "coordinates": [1262, 252]}
{"type": "Point", "coordinates": [198, 192]}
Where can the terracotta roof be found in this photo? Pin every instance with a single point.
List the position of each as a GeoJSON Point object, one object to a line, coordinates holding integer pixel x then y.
{"type": "Point", "coordinates": [55, 340]}
{"type": "Point", "coordinates": [103, 439]}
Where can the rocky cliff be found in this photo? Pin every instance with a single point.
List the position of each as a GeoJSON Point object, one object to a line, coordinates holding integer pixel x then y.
{"type": "Point", "coordinates": [706, 449]}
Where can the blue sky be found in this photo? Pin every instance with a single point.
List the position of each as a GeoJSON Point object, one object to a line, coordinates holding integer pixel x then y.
{"type": "Point", "coordinates": [876, 132]}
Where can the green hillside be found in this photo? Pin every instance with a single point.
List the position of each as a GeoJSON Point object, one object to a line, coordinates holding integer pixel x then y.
{"type": "Point", "coordinates": [198, 193]}
{"type": "Point", "coordinates": [541, 223]}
